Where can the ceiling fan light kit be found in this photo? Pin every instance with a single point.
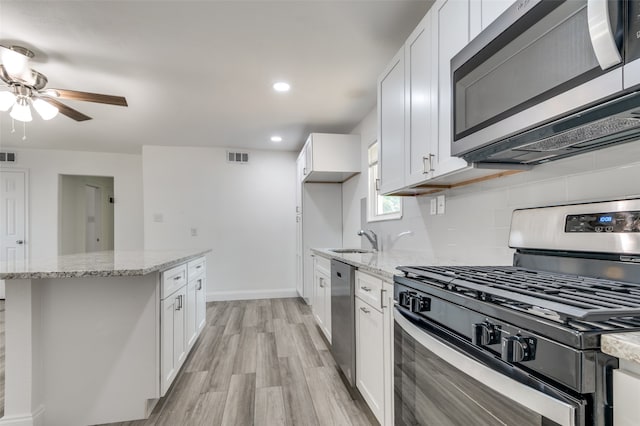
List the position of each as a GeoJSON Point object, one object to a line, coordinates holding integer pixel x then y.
{"type": "Point", "coordinates": [26, 87]}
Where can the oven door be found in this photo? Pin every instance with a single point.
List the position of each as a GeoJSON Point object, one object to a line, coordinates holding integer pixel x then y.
{"type": "Point", "coordinates": [442, 380]}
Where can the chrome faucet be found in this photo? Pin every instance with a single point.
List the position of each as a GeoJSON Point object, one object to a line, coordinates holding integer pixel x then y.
{"type": "Point", "coordinates": [371, 236]}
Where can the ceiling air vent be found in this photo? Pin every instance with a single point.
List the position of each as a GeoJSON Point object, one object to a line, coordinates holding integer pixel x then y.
{"type": "Point", "coordinates": [7, 157]}
{"type": "Point", "coordinates": [237, 157]}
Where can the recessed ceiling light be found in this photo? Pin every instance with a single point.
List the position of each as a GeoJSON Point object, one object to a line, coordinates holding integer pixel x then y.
{"type": "Point", "coordinates": [276, 139]}
{"type": "Point", "coordinates": [281, 86]}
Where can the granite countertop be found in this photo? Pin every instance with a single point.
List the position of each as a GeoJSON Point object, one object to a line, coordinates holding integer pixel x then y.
{"type": "Point", "coordinates": [622, 345]}
{"type": "Point", "coordinates": [382, 263]}
{"type": "Point", "coordinates": [118, 263]}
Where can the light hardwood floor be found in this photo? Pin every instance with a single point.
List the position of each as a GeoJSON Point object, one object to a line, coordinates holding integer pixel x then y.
{"type": "Point", "coordinates": [258, 362]}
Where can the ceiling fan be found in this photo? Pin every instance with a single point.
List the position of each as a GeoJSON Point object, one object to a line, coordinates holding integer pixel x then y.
{"type": "Point", "coordinates": [28, 87]}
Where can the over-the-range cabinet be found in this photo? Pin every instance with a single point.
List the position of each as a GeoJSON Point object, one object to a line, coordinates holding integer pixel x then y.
{"type": "Point", "coordinates": [324, 163]}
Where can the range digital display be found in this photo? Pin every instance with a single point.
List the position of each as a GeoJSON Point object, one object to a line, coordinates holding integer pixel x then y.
{"type": "Point", "coordinates": [603, 222]}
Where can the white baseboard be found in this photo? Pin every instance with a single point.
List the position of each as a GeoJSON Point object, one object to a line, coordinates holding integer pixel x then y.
{"type": "Point", "coordinates": [252, 294]}
{"type": "Point", "coordinates": [35, 419]}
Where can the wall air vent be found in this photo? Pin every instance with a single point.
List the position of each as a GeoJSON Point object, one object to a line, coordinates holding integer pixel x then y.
{"type": "Point", "coordinates": [237, 157]}
{"type": "Point", "coordinates": [7, 157]}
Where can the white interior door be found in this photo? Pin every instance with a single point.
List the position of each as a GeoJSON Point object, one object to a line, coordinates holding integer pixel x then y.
{"type": "Point", "coordinates": [12, 219]}
{"type": "Point", "coordinates": [93, 197]}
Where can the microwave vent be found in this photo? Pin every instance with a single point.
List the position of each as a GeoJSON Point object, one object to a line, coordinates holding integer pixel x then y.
{"type": "Point", "coordinates": [592, 131]}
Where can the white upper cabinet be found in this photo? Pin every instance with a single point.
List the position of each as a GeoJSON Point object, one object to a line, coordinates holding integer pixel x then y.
{"type": "Point", "coordinates": [421, 137]}
{"type": "Point", "coordinates": [391, 125]}
{"type": "Point", "coordinates": [330, 157]}
{"type": "Point", "coordinates": [414, 100]}
{"type": "Point", "coordinates": [452, 22]}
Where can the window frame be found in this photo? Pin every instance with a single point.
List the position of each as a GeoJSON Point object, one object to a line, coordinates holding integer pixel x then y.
{"type": "Point", "coordinates": [373, 192]}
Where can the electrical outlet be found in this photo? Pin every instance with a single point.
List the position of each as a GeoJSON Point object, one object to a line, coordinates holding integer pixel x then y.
{"type": "Point", "coordinates": [158, 217]}
{"type": "Point", "coordinates": [194, 232]}
{"type": "Point", "coordinates": [433, 207]}
{"type": "Point", "coordinates": [440, 207]}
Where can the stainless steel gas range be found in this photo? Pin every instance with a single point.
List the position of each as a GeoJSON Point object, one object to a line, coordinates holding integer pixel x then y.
{"type": "Point", "coordinates": [520, 345]}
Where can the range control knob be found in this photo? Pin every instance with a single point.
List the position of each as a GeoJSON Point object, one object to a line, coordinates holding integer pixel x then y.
{"type": "Point", "coordinates": [419, 304]}
{"type": "Point", "coordinates": [404, 298]}
{"type": "Point", "coordinates": [518, 348]}
{"type": "Point", "coordinates": [485, 333]}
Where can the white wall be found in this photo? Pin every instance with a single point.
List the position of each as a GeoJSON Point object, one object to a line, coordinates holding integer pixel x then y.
{"type": "Point", "coordinates": [45, 166]}
{"type": "Point", "coordinates": [244, 212]}
{"type": "Point", "coordinates": [475, 227]}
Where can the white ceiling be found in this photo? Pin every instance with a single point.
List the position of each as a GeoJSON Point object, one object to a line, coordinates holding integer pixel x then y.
{"type": "Point", "coordinates": [199, 73]}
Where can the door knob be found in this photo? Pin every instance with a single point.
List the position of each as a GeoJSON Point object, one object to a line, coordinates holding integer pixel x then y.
{"type": "Point", "coordinates": [20, 242]}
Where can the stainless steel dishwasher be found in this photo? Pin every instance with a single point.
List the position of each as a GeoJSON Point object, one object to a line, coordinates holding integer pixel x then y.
{"type": "Point", "coordinates": [343, 330]}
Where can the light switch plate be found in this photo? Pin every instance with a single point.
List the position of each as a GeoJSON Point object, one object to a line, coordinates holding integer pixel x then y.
{"type": "Point", "coordinates": [158, 217]}
{"type": "Point", "coordinates": [440, 204]}
{"type": "Point", "coordinates": [194, 232]}
{"type": "Point", "coordinates": [433, 207]}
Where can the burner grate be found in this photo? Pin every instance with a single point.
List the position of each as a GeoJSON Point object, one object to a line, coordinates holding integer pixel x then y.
{"type": "Point", "coordinates": [570, 297]}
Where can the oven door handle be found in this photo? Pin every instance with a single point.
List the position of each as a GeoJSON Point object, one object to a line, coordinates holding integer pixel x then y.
{"type": "Point", "coordinates": [551, 408]}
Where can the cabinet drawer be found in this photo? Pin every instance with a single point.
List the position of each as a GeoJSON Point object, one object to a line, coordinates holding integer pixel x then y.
{"type": "Point", "coordinates": [173, 279]}
{"type": "Point", "coordinates": [323, 263]}
{"type": "Point", "coordinates": [196, 267]}
{"type": "Point", "coordinates": [368, 288]}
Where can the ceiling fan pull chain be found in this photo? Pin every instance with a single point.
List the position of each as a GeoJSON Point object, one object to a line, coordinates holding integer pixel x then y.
{"type": "Point", "coordinates": [24, 131]}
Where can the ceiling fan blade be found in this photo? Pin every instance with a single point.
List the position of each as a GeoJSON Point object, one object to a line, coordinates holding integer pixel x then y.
{"type": "Point", "coordinates": [90, 97]}
{"type": "Point", "coordinates": [66, 110]}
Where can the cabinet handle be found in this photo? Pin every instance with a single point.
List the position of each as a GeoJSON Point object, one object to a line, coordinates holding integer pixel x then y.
{"type": "Point", "coordinates": [199, 284]}
{"type": "Point", "coordinates": [321, 283]}
{"type": "Point", "coordinates": [382, 292]}
{"type": "Point", "coordinates": [199, 266]}
{"type": "Point", "coordinates": [365, 288]}
{"type": "Point", "coordinates": [177, 278]}
{"type": "Point", "coordinates": [304, 171]}
{"type": "Point", "coordinates": [178, 303]}
{"type": "Point", "coordinates": [431, 156]}
{"type": "Point", "coordinates": [429, 159]}
{"type": "Point", "coordinates": [377, 184]}
{"type": "Point", "coordinates": [365, 310]}
{"type": "Point", "coordinates": [297, 218]}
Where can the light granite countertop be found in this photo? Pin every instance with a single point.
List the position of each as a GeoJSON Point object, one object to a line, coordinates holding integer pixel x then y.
{"type": "Point", "coordinates": [622, 345]}
{"type": "Point", "coordinates": [383, 263]}
{"type": "Point", "coordinates": [98, 264]}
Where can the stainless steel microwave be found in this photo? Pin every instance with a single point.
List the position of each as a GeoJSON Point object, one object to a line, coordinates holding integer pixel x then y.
{"type": "Point", "coordinates": [546, 80]}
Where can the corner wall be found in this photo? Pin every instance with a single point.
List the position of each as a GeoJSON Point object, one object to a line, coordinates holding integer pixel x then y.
{"type": "Point", "coordinates": [245, 213]}
{"type": "Point", "coordinates": [475, 226]}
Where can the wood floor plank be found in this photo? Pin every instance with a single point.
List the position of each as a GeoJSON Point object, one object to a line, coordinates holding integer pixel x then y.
{"type": "Point", "coordinates": [314, 333]}
{"type": "Point", "coordinates": [325, 400]}
{"type": "Point", "coordinates": [265, 318]}
{"type": "Point", "coordinates": [183, 398]}
{"type": "Point", "coordinates": [234, 322]}
{"type": "Point", "coordinates": [221, 367]}
{"type": "Point", "coordinates": [200, 356]}
{"type": "Point", "coordinates": [208, 409]}
{"type": "Point", "coordinates": [270, 409]}
{"type": "Point", "coordinates": [268, 366]}
{"type": "Point", "coordinates": [285, 343]}
{"type": "Point", "coordinates": [245, 361]}
{"type": "Point", "coordinates": [306, 350]}
{"type": "Point", "coordinates": [250, 317]}
{"type": "Point", "coordinates": [292, 309]}
{"type": "Point", "coordinates": [240, 403]}
{"type": "Point", "coordinates": [298, 404]}
{"type": "Point", "coordinates": [278, 310]}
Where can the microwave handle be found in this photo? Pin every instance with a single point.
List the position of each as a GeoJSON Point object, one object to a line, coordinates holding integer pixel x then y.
{"type": "Point", "coordinates": [601, 33]}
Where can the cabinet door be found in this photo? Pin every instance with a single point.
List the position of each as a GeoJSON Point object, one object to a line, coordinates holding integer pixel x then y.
{"type": "Point", "coordinates": [420, 96]}
{"type": "Point", "coordinates": [318, 302]}
{"type": "Point", "coordinates": [173, 343]}
{"type": "Point", "coordinates": [201, 304]}
{"type": "Point", "coordinates": [299, 258]}
{"type": "Point", "coordinates": [191, 313]}
{"type": "Point", "coordinates": [326, 281]}
{"type": "Point", "coordinates": [308, 156]}
{"type": "Point", "coordinates": [452, 23]}
{"type": "Point", "coordinates": [391, 106]}
{"type": "Point", "coordinates": [369, 357]}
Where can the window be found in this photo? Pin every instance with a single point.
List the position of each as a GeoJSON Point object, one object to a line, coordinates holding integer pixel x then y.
{"type": "Point", "coordinates": [380, 207]}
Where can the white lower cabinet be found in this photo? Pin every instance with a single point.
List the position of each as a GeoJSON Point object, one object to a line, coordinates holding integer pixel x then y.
{"type": "Point", "coordinates": [374, 345]}
{"type": "Point", "coordinates": [174, 345]}
{"type": "Point", "coordinates": [321, 306]}
{"type": "Point", "coordinates": [370, 356]}
{"type": "Point", "coordinates": [182, 316]}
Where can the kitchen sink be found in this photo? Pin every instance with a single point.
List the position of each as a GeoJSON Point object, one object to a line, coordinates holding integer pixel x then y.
{"type": "Point", "coordinates": [350, 250]}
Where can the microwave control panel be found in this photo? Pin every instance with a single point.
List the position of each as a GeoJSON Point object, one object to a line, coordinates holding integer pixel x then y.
{"type": "Point", "coordinates": [603, 222]}
{"type": "Point", "coordinates": [632, 49]}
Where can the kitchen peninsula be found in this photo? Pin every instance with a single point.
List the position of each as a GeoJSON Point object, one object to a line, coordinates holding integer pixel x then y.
{"type": "Point", "coordinates": [98, 337]}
